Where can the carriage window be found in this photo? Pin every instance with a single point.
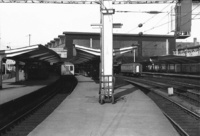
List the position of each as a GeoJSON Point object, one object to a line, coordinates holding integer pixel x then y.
{"type": "Point", "coordinates": [71, 68]}
{"type": "Point", "coordinates": [137, 69]}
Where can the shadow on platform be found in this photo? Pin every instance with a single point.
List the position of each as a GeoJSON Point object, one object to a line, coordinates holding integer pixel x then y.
{"type": "Point", "coordinates": [121, 95]}
{"type": "Point", "coordinates": [28, 83]}
{"type": "Point", "coordinates": [86, 81]}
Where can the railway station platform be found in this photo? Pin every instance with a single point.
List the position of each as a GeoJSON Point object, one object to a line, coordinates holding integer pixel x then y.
{"type": "Point", "coordinates": [80, 114]}
{"type": "Point", "coordinates": [172, 74]}
{"type": "Point", "coordinates": [12, 90]}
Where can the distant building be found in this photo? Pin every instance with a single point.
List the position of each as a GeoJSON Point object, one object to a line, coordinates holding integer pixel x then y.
{"type": "Point", "coordinates": [187, 48]}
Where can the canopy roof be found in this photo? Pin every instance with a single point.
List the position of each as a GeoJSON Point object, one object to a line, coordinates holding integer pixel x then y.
{"type": "Point", "coordinates": [172, 59]}
{"type": "Point", "coordinates": [42, 53]}
{"type": "Point", "coordinates": [31, 53]}
{"type": "Point", "coordinates": [85, 54]}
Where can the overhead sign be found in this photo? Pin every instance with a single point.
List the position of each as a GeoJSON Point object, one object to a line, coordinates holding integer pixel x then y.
{"type": "Point", "coordinates": [183, 18]}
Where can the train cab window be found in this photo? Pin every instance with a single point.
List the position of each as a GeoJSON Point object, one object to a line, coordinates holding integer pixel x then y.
{"type": "Point", "coordinates": [71, 68]}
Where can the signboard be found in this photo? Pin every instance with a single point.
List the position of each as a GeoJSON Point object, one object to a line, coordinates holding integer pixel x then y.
{"type": "Point", "coordinates": [183, 18]}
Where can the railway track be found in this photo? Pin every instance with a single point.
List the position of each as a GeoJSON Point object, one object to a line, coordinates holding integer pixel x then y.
{"type": "Point", "coordinates": [188, 83]}
{"type": "Point", "coordinates": [182, 90]}
{"type": "Point", "coordinates": [185, 121]}
{"type": "Point", "coordinates": [186, 89]}
{"type": "Point", "coordinates": [26, 122]}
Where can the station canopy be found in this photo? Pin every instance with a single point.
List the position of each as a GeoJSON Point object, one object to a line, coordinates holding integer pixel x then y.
{"type": "Point", "coordinates": [84, 54]}
{"type": "Point", "coordinates": [173, 59]}
{"type": "Point", "coordinates": [31, 53]}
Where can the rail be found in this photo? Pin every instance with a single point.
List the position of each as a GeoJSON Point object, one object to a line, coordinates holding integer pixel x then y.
{"type": "Point", "coordinates": [58, 94]}
{"type": "Point", "coordinates": [184, 131]}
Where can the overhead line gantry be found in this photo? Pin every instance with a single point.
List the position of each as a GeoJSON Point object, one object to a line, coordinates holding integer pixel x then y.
{"type": "Point", "coordinates": [90, 1]}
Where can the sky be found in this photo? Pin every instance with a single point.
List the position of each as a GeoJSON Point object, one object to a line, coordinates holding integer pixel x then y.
{"type": "Point", "coordinates": [44, 22]}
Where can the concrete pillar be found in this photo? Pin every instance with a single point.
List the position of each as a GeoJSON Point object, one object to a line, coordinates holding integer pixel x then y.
{"type": "Point", "coordinates": [69, 45]}
{"type": "Point", "coordinates": [172, 46]}
{"type": "Point", "coordinates": [140, 49]}
{"type": "Point", "coordinates": [106, 67]}
{"type": "Point", "coordinates": [167, 47]}
{"type": "Point", "coordinates": [17, 72]}
{"type": "Point", "coordinates": [107, 43]}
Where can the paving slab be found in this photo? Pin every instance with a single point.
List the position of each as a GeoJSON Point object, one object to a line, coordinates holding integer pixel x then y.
{"type": "Point", "coordinates": [80, 114]}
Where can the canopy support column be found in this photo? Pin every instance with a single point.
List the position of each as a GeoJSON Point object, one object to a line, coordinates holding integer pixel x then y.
{"type": "Point", "coordinates": [140, 55]}
{"type": "Point", "coordinates": [69, 45]}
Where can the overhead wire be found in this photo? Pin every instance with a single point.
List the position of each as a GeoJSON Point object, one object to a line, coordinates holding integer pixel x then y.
{"type": "Point", "coordinates": [156, 14]}
{"type": "Point", "coordinates": [192, 17]}
{"type": "Point", "coordinates": [160, 20]}
{"type": "Point", "coordinates": [158, 26]}
{"type": "Point", "coordinates": [102, 6]}
{"type": "Point", "coordinates": [164, 17]}
{"type": "Point", "coordinates": [147, 19]}
{"type": "Point", "coordinates": [174, 20]}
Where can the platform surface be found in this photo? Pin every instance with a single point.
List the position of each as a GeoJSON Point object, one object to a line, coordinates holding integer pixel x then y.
{"type": "Point", "coordinates": [12, 90]}
{"type": "Point", "coordinates": [80, 114]}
